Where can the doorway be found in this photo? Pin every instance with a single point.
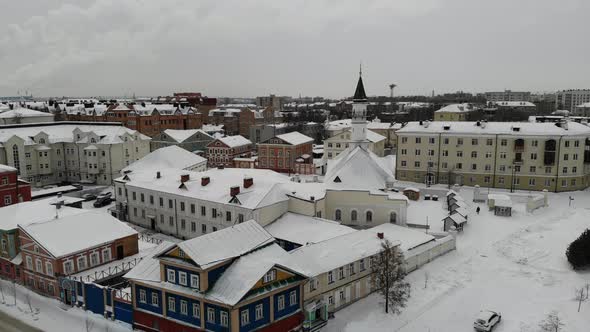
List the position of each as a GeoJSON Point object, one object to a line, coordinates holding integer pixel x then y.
{"type": "Point", "coordinates": [429, 179]}
{"type": "Point", "coordinates": [120, 254]}
{"type": "Point", "coordinates": [153, 224]}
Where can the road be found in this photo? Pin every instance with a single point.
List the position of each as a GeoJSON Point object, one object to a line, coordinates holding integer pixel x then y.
{"type": "Point", "coordinates": [11, 324]}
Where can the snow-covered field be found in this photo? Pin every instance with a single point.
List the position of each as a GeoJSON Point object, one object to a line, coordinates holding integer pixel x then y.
{"type": "Point", "coordinates": [515, 265]}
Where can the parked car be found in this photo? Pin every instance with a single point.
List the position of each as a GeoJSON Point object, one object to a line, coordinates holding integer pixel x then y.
{"type": "Point", "coordinates": [103, 200]}
{"type": "Point", "coordinates": [487, 320]}
{"type": "Point", "coordinates": [89, 197]}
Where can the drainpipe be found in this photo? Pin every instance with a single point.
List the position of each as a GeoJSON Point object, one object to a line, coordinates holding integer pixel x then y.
{"type": "Point", "coordinates": [438, 159]}
{"type": "Point", "coordinates": [495, 162]}
{"type": "Point", "coordinates": [558, 158]}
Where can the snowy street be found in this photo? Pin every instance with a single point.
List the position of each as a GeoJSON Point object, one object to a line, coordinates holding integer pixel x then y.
{"type": "Point", "coordinates": [515, 265]}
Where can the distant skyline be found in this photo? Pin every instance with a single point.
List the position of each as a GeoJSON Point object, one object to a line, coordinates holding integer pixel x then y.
{"type": "Point", "coordinates": [253, 48]}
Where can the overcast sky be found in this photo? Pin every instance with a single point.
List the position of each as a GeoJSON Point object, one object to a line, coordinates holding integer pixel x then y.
{"type": "Point", "coordinates": [291, 47]}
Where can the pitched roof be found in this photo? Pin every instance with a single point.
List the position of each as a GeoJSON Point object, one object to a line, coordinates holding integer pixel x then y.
{"type": "Point", "coordinates": [87, 230]}
{"type": "Point", "coordinates": [182, 135]}
{"type": "Point", "coordinates": [295, 138]}
{"type": "Point", "coordinates": [493, 128]}
{"type": "Point", "coordinates": [358, 168]}
{"type": "Point", "coordinates": [168, 157]}
{"type": "Point", "coordinates": [359, 93]}
{"type": "Point", "coordinates": [456, 108]}
{"type": "Point", "coordinates": [302, 229]}
{"type": "Point", "coordinates": [24, 112]}
{"type": "Point", "coordinates": [234, 141]}
{"type": "Point", "coordinates": [32, 212]}
{"type": "Point", "coordinates": [227, 243]}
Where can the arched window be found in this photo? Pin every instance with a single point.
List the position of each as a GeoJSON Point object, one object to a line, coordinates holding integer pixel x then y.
{"type": "Point", "coordinates": [353, 215]}
{"type": "Point", "coordinates": [338, 215]}
{"type": "Point", "coordinates": [15, 158]}
{"type": "Point", "coordinates": [369, 216]}
{"type": "Point", "coordinates": [42, 141]}
{"type": "Point", "coordinates": [393, 217]}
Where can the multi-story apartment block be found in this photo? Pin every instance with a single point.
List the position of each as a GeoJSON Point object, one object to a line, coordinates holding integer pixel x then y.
{"type": "Point", "coordinates": [275, 102]}
{"type": "Point", "coordinates": [95, 239]}
{"type": "Point", "coordinates": [282, 152]}
{"type": "Point", "coordinates": [569, 99]}
{"type": "Point", "coordinates": [236, 280]}
{"type": "Point", "coordinates": [148, 119]}
{"type": "Point", "coordinates": [222, 151]}
{"type": "Point", "coordinates": [237, 119]}
{"type": "Point", "coordinates": [193, 140]}
{"type": "Point", "coordinates": [12, 189]}
{"type": "Point", "coordinates": [582, 110]}
{"type": "Point", "coordinates": [336, 144]}
{"type": "Point", "coordinates": [59, 152]}
{"type": "Point", "coordinates": [508, 95]}
{"type": "Point", "coordinates": [526, 156]}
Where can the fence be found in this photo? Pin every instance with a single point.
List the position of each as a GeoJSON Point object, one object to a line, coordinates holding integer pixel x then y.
{"type": "Point", "coordinates": [112, 270]}
{"type": "Point", "coordinates": [149, 239]}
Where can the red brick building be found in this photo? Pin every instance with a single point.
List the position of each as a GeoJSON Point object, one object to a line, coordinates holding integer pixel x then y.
{"type": "Point", "coordinates": [148, 119]}
{"type": "Point", "coordinates": [12, 189]}
{"type": "Point", "coordinates": [287, 153]}
{"type": "Point", "coordinates": [67, 245]}
{"type": "Point", "coordinates": [237, 121]}
{"type": "Point", "coordinates": [222, 151]}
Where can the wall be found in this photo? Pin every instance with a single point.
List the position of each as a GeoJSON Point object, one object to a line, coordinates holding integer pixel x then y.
{"type": "Point", "coordinates": [363, 201]}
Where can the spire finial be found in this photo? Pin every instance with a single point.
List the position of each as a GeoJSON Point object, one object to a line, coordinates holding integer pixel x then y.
{"type": "Point", "coordinates": [361, 68]}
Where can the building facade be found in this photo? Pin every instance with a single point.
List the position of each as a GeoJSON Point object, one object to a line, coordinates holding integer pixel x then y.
{"type": "Point", "coordinates": [508, 95]}
{"type": "Point", "coordinates": [334, 145]}
{"type": "Point", "coordinates": [569, 99]}
{"type": "Point", "coordinates": [12, 189]}
{"type": "Point", "coordinates": [282, 152]}
{"type": "Point", "coordinates": [222, 151]}
{"type": "Point", "coordinates": [45, 154]}
{"type": "Point", "coordinates": [524, 156]}
{"type": "Point", "coordinates": [190, 139]}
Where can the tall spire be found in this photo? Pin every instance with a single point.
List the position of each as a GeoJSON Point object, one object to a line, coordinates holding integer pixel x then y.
{"type": "Point", "coordinates": [359, 93]}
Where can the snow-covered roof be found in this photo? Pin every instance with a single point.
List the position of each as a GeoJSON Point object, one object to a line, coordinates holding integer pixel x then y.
{"type": "Point", "coordinates": [235, 141]}
{"type": "Point", "coordinates": [457, 218]}
{"type": "Point", "coordinates": [6, 168]}
{"type": "Point", "coordinates": [149, 267]}
{"type": "Point", "coordinates": [211, 128]}
{"type": "Point", "coordinates": [168, 157]}
{"type": "Point", "coordinates": [456, 108]}
{"type": "Point", "coordinates": [241, 276]}
{"type": "Point", "coordinates": [461, 210]}
{"type": "Point", "coordinates": [515, 104]}
{"type": "Point", "coordinates": [500, 200]}
{"type": "Point", "coordinates": [57, 132]}
{"type": "Point", "coordinates": [359, 168]}
{"type": "Point", "coordinates": [341, 250]}
{"type": "Point", "coordinates": [302, 229]}
{"type": "Point", "coordinates": [295, 138]}
{"type": "Point", "coordinates": [584, 105]}
{"type": "Point", "coordinates": [24, 113]}
{"type": "Point", "coordinates": [182, 135]}
{"type": "Point", "coordinates": [227, 243]}
{"type": "Point", "coordinates": [91, 229]}
{"type": "Point", "coordinates": [32, 212]}
{"type": "Point", "coordinates": [493, 128]}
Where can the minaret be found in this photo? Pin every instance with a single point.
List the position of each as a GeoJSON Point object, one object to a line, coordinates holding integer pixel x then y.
{"type": "Point", "coordinates": [359, 114]}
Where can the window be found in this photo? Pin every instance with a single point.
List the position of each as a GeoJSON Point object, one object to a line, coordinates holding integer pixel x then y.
{"type": "Point", "coordinates": [106, 255]}
{"type": "Point", "coordinates": [351, 267]}
{"type": "Point", "coordinates": [459, 153]}
{"type": "Point", "coordinates": [534, 143]}
{"type": "Point", "coordinates": [547, 182]}
{"type": "Point", "coordinates": [486, 179]}
{"type": "Point", "coordinates": [29, 263]}
{"type": "Point", "coordinates": [15, 158]}
{"type": "Point", "coordinates": [474, 141]}
{"type": "Point", "coordinates": [210, 315]}
{"type": "Point", "coordinates": [68, 267]}
{"type": "Point", "coordinates": [170, 204]}
{"type": "Point", "coordinates": [330, 277]}
{"type": "Point", "coordinates": [445, 153]}
{"type": "Point", "coordinates": [564, 183]}
{"type": "Point", "coordinates": [161, 202]}
{"type": "Point", "coordinates": [459, 141]}
{"type": "Point", "coordinates": [575, 156]}
{"type": "Point", "coordinates": [573, 183]}
{"type": "Point", "coordinates": [488, 167]}
{"type": "Point", "coordinates": [240, 218]}
{"type": "Point", "coordinates": [281, 302]}
{"type": "Point", "coordinates": [431, 152]}
{"type": "Point", "coordinates": [517, 168]}
{"type": "Point", "coordinates": [473, 154]}
{"type": "Point", "coordinates": [155, 299]}
{"type": "Point", "coordinates": [196, 310]}
{"type": "Point", "coordinates": [416, 164]}
{"type": "Point", "coordinates": [503, 142]}
{"type": "Point", "coordinates": [531, 182]}
{"type": "Point", "coordinates": [223, 319]}
{"type": "Point", "coordinates": [417, 152]}
{"type": "Point", "coordinates": [533, 156]}
{"type": "Point", "coordinates": [338, 215]}
{"type": "Point", "coordinates": [193, 207]}
{"type": "Point", "coordinates": [403, 163]}
{"type": "Point", "coordinates": [171, 304]}
{"type": "Point", "coordinates": [203, 228]}
{"type": "Point", "coordinates": [501, 180]}
{"type": "Point", "coordinates": [213, 213]}
{"type": "Point", "coordinates": [567, 144]}
{"type": "Point", "coordinates": [431, 140]}
{"type": "Point", "coordinates": [171, 275]}
{"type": "Point", "coordinates": [181, 206]}
{"type": "Point", "coordinates": [183, 307]}
{"type": "Point", "coordinates": [293, 298]}
{"type": "Point", "coordinates": [134, 195]}
{"type": "Point", "coordinates": [404, 140]}
{"type": "Point", "coordinates": [142, 296]}
{"type": "Point", "coordinates": [473, 167]}
{"type": "Point", "coordinates": [195, 281]}
{"type": "Point", "coordinates": [171, 221]}
{"type": "Point", "coordinates": [369, 216]}
{"type": "Point", "coordinates": [418, 140]}
{"type": "Point", "coordinates": [182, 278]}
{"type": "Point", "coordinates": [330, 300]}
{"type": "Point", "coordinates": [444, 165]}
{"type": "Point", "coordinates": [7, 200]}
{"type": "Point", "coordinates": [193, 226]}
{"type": "Point", "coordinates": [362, 265]}
{"type": "Point", "coordinates": [39, 265]}
{"type": "Point", "coordinates": [341, 272]}
{"type": "Point", "coordinates": [81, 263]}
{"type": "Point", "coordinates": [576, 144]}
{"type": "Point", "coordinates": [574, 169]}
{"type": "Point", "coordinates": [566, 157]}
{"type": "Point", "coordinates": [342, 297]}
{"type": "Point", "coordinates": [404, 152]}
{"type": "Point", "coordinates": [182, 224]}
{"type": "Point", "coordinates": [227, 216]}
{"type": "Point", "coordinates": [489, 141]}
{"type": "Point", "coordinates": [244, 317]}
{"type": "Point", "coordinates": [564, 170]}
{"type": "Point", "coordinates": [259, 312]}
{"type": "Point", "coordinates": [270, 276]}
{"type": "Point", "coordinates": [142, 197]}
{"type": "Point", "coordinates": [353, 215]}
{"type": "Point", "coordinates": [203, 211]}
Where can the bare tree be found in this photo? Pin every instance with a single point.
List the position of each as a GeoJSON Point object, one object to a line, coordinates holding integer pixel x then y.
{"type": "Point", "coordinates": [580, 296]}
{"type": "Point", "coordinates": [388, 275]}
{"type": "Point", "coordinates": [552, 323]}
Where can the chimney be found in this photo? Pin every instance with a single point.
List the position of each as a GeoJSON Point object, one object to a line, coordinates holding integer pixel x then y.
{"type": "Point", "coordinates": [158, 175]}
{"type": "Point", "coordinates": [380, 235]}
{"type": "Point", "coordinates": [184, 178]}
{"type": "Point", "coordinates": [248, 182]}
{"type": "Point", "coordinates": [205, 180]}
{"type": "Point", "coordinates": [234, 190]}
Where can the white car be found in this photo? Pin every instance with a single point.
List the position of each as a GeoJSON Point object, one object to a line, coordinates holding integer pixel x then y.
{"type": "Point", "coordinates": [487, 320]}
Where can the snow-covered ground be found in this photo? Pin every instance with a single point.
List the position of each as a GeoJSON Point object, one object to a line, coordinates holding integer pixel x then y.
{"type": "Point", "coordinates": [515, 265]}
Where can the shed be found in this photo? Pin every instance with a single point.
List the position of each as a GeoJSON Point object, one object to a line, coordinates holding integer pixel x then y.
{"type": "Point", "coordinates": [501, 204]}
{"type": "Point", "coordinates": [461, 211]}
{"type": "Point", "coordinates": [412, 193]}
{"type": "Point", "coordinates": [456, 220]}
